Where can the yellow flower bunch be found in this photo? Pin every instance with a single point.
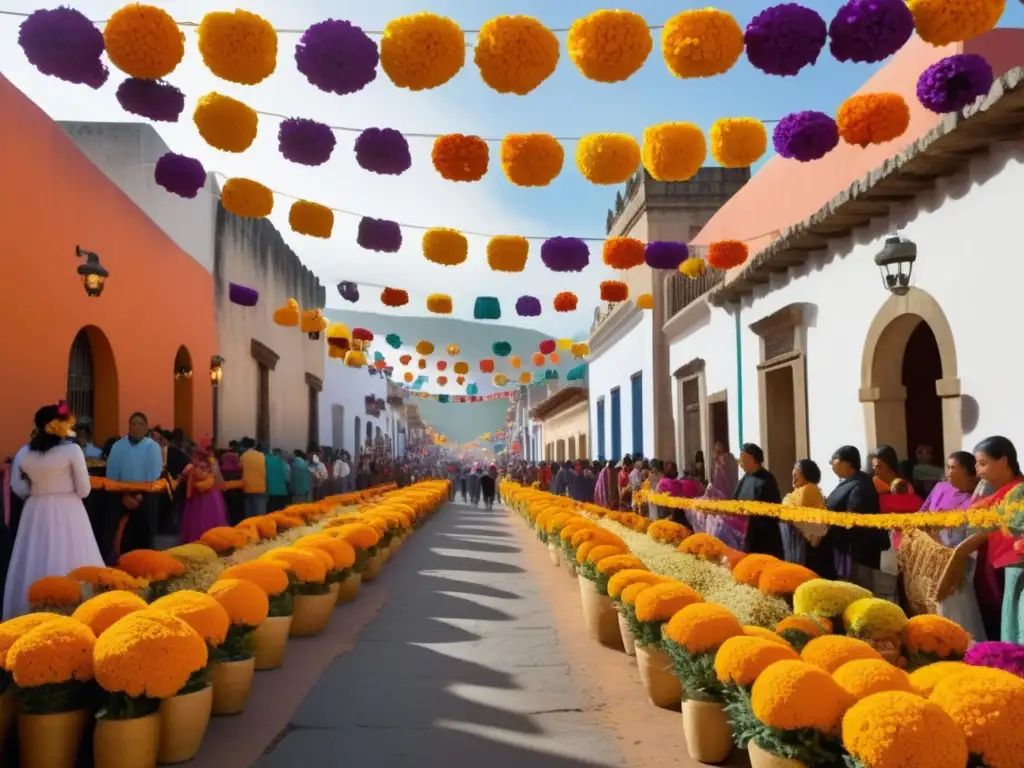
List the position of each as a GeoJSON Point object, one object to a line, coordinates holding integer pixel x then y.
{"type": "Point", "coordinates": [54, 652]}
{"type": "Point", "coordinates": [422, 51]}
{"type": "Point", "coordinates": [693, 267]}
{"type": "Point", "coordinates": [200, 611]}
{"type": "Point", "coordinates": [447, 247]}
{"type": "Point", "coordinates": [668, 532]}
{"type": "Point", "coordinates": [238, 46]}
{"type": "Point", "coordinates": [304, 564]}
{"type": "Point", "coordinates": [673, 152]}
{"type": "Point", "coordinates": [144, 41]}
{"type": "Point", "coordinates": [149, 564]}
{"type": "Point", "coordinates": [342, 554]}
{"type": "Point", "coordinates": [530, 160]}
{"type": "Point", "coordinates": [750, 630]}
{"type": "Point", "coordinates": [311, 219]}
{"type": "Point", "coordinates": [784, 578]}
{"type": "Point", "coordinates": [935, 635]}
{"type": "Point", "coordinates": [822, 597]}
{"type": "Point", "coordinates": [628, 577]}
{"type": "Point", "coordinates": [662, 601]}
{"type": "Point", "coordinates": [864, 677]}
{"type": "Point", "coordinates": [12, 629]}
{"type": "Point", "coordinates": [245, 603]}
{"type": "Point", "coordinates": [148, 653]}
{"type": "Point", "coordinates": [224, 540]}
{"type": "Point", "coordinates": [592, 551]}
{"type": "Point", "coordinates": [701, 43]}
{"type": "Point", "coordinates": [193, 555]}
{"type": "Point", "coordinates": [941, 22]}
{"type": "Point", "coordinates": [791, 695]}
{"type": "Point", "coordinates": [830, 652]}
{"type": "Point", "coordinates": [704, 546]}
{"type": "Point", "coordinates": [515, 54]}
{"type": "Point", "coordinates": [897, 728]}
{"type": "Point", "coordinates": [225, 123]}
{"type": "Point", "coordinates": [741, 659]}
{"type": "Point", "coordinates": [614, 564]}
{"type": "Point", "coordinates": [738, 142]}
{"type": "Point", "coordinates": [607, 158]}
{"type": "Point", "coordinates": [700, 626]}
{"type": "Point", "coordinates": [272, 578]}
{"type": "Point", "coordinates": [264, 527]}
{"type": "Point", "coordinates": [749, 569]}
{"type": "Point", "coordinates": [507, 253]}
{"type": "Point", "coordinates": [246, 198]}
{"type": "Point", "coordinates": [872, 618]}
{"type": "Point", "coordinates": [986, 704]}
{"type": "Point", "coordinates": [54, 592]}
{"type": "Point", "coordinates": [100, 612]}
{"type": "Point", "coordinates": [799, 630]}
{"type": "Point", "coordinates": [924, 679]}
{"type": "Point", "coordinates": [285, 521]}
{"type": "Point", "coordinates": [358, 535]}
{"type": "Point", "coordinates": [609, 46]}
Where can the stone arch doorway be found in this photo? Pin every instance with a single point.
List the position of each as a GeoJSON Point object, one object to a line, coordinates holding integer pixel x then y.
{"type": "Point", "coordinates": [92, 391]}
{"type": "Point", "coordinates": [910, 385]}
{"type": "Point", "coordinates": [183, 382]}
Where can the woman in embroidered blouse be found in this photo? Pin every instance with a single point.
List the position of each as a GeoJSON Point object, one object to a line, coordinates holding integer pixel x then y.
{"type": "Point", "coordinates": [805, 493]}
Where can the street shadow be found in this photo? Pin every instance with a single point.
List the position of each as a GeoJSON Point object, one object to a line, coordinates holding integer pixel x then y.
{"type": "Point", "coordinates": [457, 542]}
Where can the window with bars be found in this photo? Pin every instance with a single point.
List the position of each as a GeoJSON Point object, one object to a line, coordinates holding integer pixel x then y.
{"type": "Point", "coordinates": [81, 394]}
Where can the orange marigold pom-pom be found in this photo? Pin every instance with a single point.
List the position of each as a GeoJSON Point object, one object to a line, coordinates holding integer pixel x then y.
{"type": "Point", "coordinates": [311, 219]}
{"type": "Point", "coordinates": [727, 254]}
{"type": "Point", "coordinates": [394, 297]}
{"type": "Point", "coordinates": [460, 158]}
{"type": "Point", "coordinates": [873, 118]}
{"type": "Point", "coordinates": [537, 359]}
{"type": "Point", "coordinates": [645, 301]}
{"type": "Point", "coordinates": [791, 695]}
{"type": "Point", "coordinates": [623, 252]}
{"type": "Point", "coordinates": [566, 302]}
{"type": "Point", "coordinates": [742, 658]}
{"type": "Point", "coordinates": [531, 159]}
{"type": "Point", "coordinates": [614, 291]}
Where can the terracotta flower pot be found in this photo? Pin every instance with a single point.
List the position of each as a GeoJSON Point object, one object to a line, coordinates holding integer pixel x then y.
{"type": "Point", "coordinates": [627, 636]}
{"type": "Point", "coordinates": [133, 743]}
{"type": "Point", "coordinates": [570, 567]}
{"type": "Point", "coordinates": [760, 758]}
{"type": "Point", "coordinates": [555, 553]}
{"type": "Point", "coordinates": [311, 614]}
{"type": "Point", "coordinates": [51, 741]}
{"type": "Point", "coordinates": [662, 686]}
{"type": "Point", "coordinates": [232, 682]}
{"type": "Point", "coordinates": [600, 615]}
{"type": "Point", "coordinates": [348, 590]}
{"type": "Point", "coordinates": [372, 567]}
{"type": "Point", "coordinates": [708, 731]}
{"type": "Point", "coordinates": [271, 639]}
{"type": "Point", "coordinates": [183, 722]}
{"type": "Point", "coordinates": [8, 715]}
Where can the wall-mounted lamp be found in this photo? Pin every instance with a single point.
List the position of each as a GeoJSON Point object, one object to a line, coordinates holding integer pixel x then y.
{"type": "Point", "coordinates": [216, 370]}
{"type": "Point", "coordinates": [896, 263]}
{"type": "Point", "coordinates": [92, 272]}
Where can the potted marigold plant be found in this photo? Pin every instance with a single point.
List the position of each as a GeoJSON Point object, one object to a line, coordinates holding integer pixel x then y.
{"type": "Point", "coordinates": [616, 587]}
{"type": "Point", "coordinates": [668, 532]}
{"type": "Point", "coordinates": [52, 670]}
{"type": "Point", "coordinates": [654, 653]}
{"type": "Point", "coordinates": [825, 599]}
{"type": "Point", "coordinates": [225, 540]}
{"type": "Point", "coordinates": [363, 540]}
{"type": "Point", "coordinates": [10, 631]}
{"type": "Point", "coordinates": [691, 638]}
{"type": "Point", "coordinates": [143, 658]}
{"type": "Point", "coordinates": [929, 639]}
{"type": "Point", "coordinates": [599, 614]}
{"type": "Point", "coordinates": [158, 568]}
{"type": "Point", "coordinates": [271, 638]}
{"type": "Point", "coordinates": [342, 558]}
{"type": "Point", "coordinates": [798, 631]}
{"type": "Point", "coordinates": [55, 594]}
{"type": "Point", "coordinates": [830, 652]}
{"type": "Point", "coordinates": [100, 612]}
{"type": "Point", "coordinates": [102, 579]}
{"type": "Point", "coordinates": [783, 579]}
{"type": "Point", "coordinates": [234, 660]}
{"type": "Point", "coordinates": [314, 600]}
{"type": "Point", "coordinates": [565, 540]}
{"type": "Point", "coordinates": [879, 623]}
{"type": "Point", "coordinates": [259, 528]}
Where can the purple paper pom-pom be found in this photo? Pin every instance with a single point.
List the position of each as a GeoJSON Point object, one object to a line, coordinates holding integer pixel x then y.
{"type": "Point", "coordinates": [63, 43]}
{"type": "Point", "coordinates": [665, 254]}
{"type": "Point", "coordinates": [151, 99]}
{"type": "Point", "coordinates": [384, 151]}
{"type": "Point", "coordinates": [805, 136]}
{"type": "Point", "coordinates": [565, 254]}
{"type": "Point", "coordinates": [242, 295]}
{"type": "Point", "coordinates": [379, 235]}
{"type": "Point", "coordinates": [179, 174]}
{"type": "Point", "coordinates": [783, 39]}
{"type": "Point", "coordinates": [869, 31]}
{"type": "Point", "coordinates": [954, 82]}
{"type": "Point", "coordinates": [337, 57]}
{"type": "Point", "coordinates": [305, 141]}
{"type": "Point", "coordinates": [528, 306]}
{"type": "Point", "coordinates": [349, 291]}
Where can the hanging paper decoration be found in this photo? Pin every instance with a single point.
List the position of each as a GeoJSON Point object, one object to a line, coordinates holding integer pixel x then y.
{"type": "Point", "coordinates": [422, 51]}
{"type": "Point", "coordinates": [566, 302]}
{"type": "Point", "coordinates": [577, 374]}
{"type": "Point", "coordinates": [247, 198]}
{"type": "Point", "coordinates": [693, 267]}
{"type": "Point", "coordinates": [701, 43]}
{"type": "Point", "coordinates": [453, 349]}
{"type": "Point", "coordinates": [727, 254]}
{"type": "Point", "coordinates": [152, 99]}
{"type": "Point", "coordinates": [607, 158]}
{"type": "Point", "coordinates": [405, 359]}
{"type": "Point", "coordinates": [287, 315]}
{"type": "Point", "coordinates": [609, 46]}
{"type": "Point", "coordinates": [424, 347]}
{"type": "Point", "coordinates": [238, 46]}
{"type": "Point", "coordinates": [383, 151]}
{"type": "Point", "coordinates": [422, 364]}
{"type": "Point", "coordinates": [623, 252]}
{"type": "Point", "coordinates": [393, 340]}
{"type": "Point", "coordinates": [461, 368]}
{"type": "Point", "coordinates": [872, 118]}
{"type": "Point", "coordinates": [499, 380]}
{"type": "Point", "coordinates": [442, 381]}
{"type": "Point", "coordinates": [361, 338]}
{"type": "Point", "coordinates": [565, 254]}
{"type": "Point", "coordinates": [313, 323]}
{"type": "Point", "coordinates": [531, 159]}
{"type": "Point", "coordinates": [380, 365]}
{"type": "Point", "coordinates": [869, 31]}
{"type": "Point", "coordinates": [501, 348]}
{"type": "Point", "coordinates": [528, 306]}
{"type": "Point", "coordinates": [550, 374]}
{"type": "Point", "coordinates": [442, 364]}
{"type": "Point", "coordinates": [378, 356]}
{"type": "Point", "coordinates": [447, 247]}
{"type": "Point", "coordinates": [580, 349]}
{"type": "Point", "coordinates": [486, 366]}
{"type": "Point", "coordinates": [305, 142]}
{"type": "Point", "coordinates": [336, 56]}
{"type": "Point", "coordinates": [63, 43]}
{"type": "Point", "coordinates": [180, 175]}
{"type": "Point", "coordinates": [355, 359]}
{"type": "Point", "coordinates": [547, 346]}
{"type": "Point", "coordinates": [507, 253]}
{"type": "Point", "coordinates": [441, 439]}
{"type": "Point", "coordinates": [379, 235]}
{"type": "Point", "coordinates": [472, 388]}
{"type": "Point", "coordinates": [242, 295]}
{"type": "Point", "coordinates": [439, 303]}
{"type": "Point", "coordinates": [538, 359]}
{"type": "Point", "coordinates": [225, 123]}
{"type": "Point", "coordinates": [339, 339]}
{"type": "Point", "coordinates": [515, 54]}
{"type": "Point", "coordinates": [143, 41]}
{"type": "Point", "coordinates": [805, 136]}
{"type": "Point", "coordinates": [564, 344]}
{"type": "Point", "coordinates": [336, 353]}
{"type": "Point", "coordinates": [460, 380]}
{"type": "Point", "coordinates": [554, 358]}
{"type": "Point", "coordinates": [954, 82]}
{"type": "Point", "coordinates": [408, 377]}
{"type": "Point", "coordinates": [614, 291]}
{"type": "Point", "coordinates": [525, 377]}
{"type": "Point", "coordinates": [515, 362]}
{"type": "Point", "coordinates": [487, 308]}
{"type": "Point", "coordinates": [783, 39]}
{"type": "Point", "coordinates": [394, 297]}
{"type": "Point", "coordinates": [665, 254]}
{"type": "Point", "coordinates": [460, 158]}
{"type": "Point", "coordinates": [738, 142]}
{"type": "Point", "coordinates": [311, 219]}
{"type": "Point", "coordinates": [645, 301]}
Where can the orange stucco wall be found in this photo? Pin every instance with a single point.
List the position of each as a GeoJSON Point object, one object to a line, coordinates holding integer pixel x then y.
{"type": "Point", "coordinates": [157, 297]}
{"type": "Point", "coordinates": [785, 192]}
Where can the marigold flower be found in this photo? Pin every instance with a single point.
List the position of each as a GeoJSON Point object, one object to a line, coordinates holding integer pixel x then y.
{"type": "Point", "coordinates": [150, 564]}
{"type": "Point", "coordinates": [342, 554]}
{"type": "Point", "coordinates": [940, 22]}
{"type": "Point", "coordinates": [751, 630]}
{"type": "Point", "coordinates": [897, 728]}
{"type": "Point", "coordinates": [238, 46]}
{"type": "Point", "coordinates": [738, 142]}
{"type": "Point", "coordinates": [703, 545]}
{"type": "Point", "coordinates": [674, 151]}
{"type": "Point", "coordinates": [822, 597]}
{"type": "Point", "coordinates": [607, 158]}
{"type": "Point", "coordinates": [12, 629]}
{"type": "Point", "coordinates": [311, 219]}
{"type": "Point", "coordinates": [422, 51]}
{"type": "Point", "coordinates": [986, 704]}
{"type": "Point", "coordinates": [144, 41]}
{"type": "Point", "coordinates": [645, 301]}
{"type": "Point", "coordinates": [700, 626]}
{"type": "Point", "coordinates": [830, 652]}
{"type": "Point", "coordinates": [200, 611]}
{"type": "Point", "coordinates": [224, 540]}
{"type": "Point", "coordinates": [460, 158]}
{"type": "Point", "coordinates": [863, 677]}
{"type": "Point", "coordinates": [447, 247]}
{"type": "Point", "coordinates": [246, 198]}
{"type": "Point", "coordinates": [609, 46]}
{"type": "Point", "coordinates": [790, 695]}
{"type": "Point", "coordinates": [613, 291]}
{"type": "Point", "coordinates": [101, 611]}
{"type": "Point", "coordinates": [629, 594]}
{"type": "Point", "coordinates": [784, 578]}
{"type": "Point", "coordinates": [306, 566]}
{"type": "Point", "coordinates": [805, 624]}
{"type": "Point", "coordinates": [701, 43]}
{"type": "Point", "coordinates": [264, 526]}
{"type": "Point", "coordinates": [54, 652]}
{"type": "Point", "coordinates": [872, 118]}
{"type": "Point", "coordinates": [742, 658]}
{"type": "Point", "coordinates": [54, 592]}
{"type": "Point", "coordinates": [668, 532]}
{"type": "Point", "coordinates": [748, 570]}
{"type": "Point", "coordinates": [225, 123]}
{"type": "Point", "coordinates": [148, 653]}
{"type": "Point", "coordinates": [623, 252]}
{"type": "Point", "coordinates": [874, 618]}
{"type": "Point", "coordinates": [515, 54]}
{"type": "Point", "coordinates": [623, 579]}
{"type": "Point", "coordinates": [531, 159]}
{"type": "Point", "coordinates": [935, 634]}
{"type": "Point", "coordinates": [693, 267]}
{"type": "Point", "coordinates": [662, 601]}
{"type": "Point", "coordinates": [727, 254]}
{"type": "Point", "coordinates": [285, 521]}
{"type": "Point", "coordinates": [272, 578]}
{"type": "Point", "coordinates": [193, 555]}
{"type": "Point", "coordinates": [927, 677]}
{"type": "Point", "coordinates": [245, 603]}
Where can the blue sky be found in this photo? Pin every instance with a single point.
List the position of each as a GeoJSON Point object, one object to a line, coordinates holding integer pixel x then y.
{"type": "Point", "coordinates": [565, 105]}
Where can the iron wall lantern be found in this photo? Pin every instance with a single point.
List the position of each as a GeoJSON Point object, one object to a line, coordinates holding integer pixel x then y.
{"type": "Point", "coordinates": [896, 263]}
{"type": "Point", "coordinates": [216, 370]}
{"type": "Point", "coordinates": [93, 274]}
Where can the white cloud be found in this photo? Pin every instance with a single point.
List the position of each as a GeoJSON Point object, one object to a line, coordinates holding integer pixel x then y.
{"type": "Point", "coordinates": [419, 196]}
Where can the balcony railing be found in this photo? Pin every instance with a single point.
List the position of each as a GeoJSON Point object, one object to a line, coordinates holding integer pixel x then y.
{"type": "Point", "coordinates": [681, 291]}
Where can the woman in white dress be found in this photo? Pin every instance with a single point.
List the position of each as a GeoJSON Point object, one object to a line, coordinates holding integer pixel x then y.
{"type": "Point", "coordinates": [55, 535]}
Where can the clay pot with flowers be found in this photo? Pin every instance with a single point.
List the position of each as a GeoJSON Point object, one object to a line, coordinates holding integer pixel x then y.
{"type": "Point", "coordinates": [270, 638]}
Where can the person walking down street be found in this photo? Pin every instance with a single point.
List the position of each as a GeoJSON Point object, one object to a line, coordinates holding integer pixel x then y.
{"type": "Point", "coordinates": [489, 485]}
{"type": "Point", "coordinates": [453, 481]}
{"type": "Point", "coordinates": [473, 483]}
{"type": "Point", "coordinates": [464, 483]}
{"type": "Point", "coordinates": [493, 472]}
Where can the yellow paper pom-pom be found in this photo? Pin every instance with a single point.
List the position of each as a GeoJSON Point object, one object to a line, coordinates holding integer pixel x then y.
{"type": "Point", "coordinates": [941, 22]}
{"type": "Point", "coordinates": [738, 142]}
{"type": "Point", "coordinates": [507, 253]}
{"type": "Point", "coordinates": [444, 246]}
{"type": "Point", "coordinates": [514, 361]}
{"type": "Point", "coordinates": [645, 301]}
{"type": "Point", "coordinates": [674, 151]}
{"type": "Point", "coordinates": [144, 41]}
{"type": "Point", "coordinates": [580, 350]}
{"type": "Point", "coordinates": [225, 123]}
{"type": "Point", "coordinates": [461, 368]}
{"type": "Point", "coordinates": [56, 652]}
{"type": "Point", "coordinates": [873, 118]}
{"type": "Point", "coordinates": [311, 219]}
{"type": "Point", "coordinates": [408, 377]}
{"type": "Point", "coordinates": [499, 379]}
{"type": "Point", "coordinates": [899, 728]}
{"type": "Point", "coordinates": [609, 46]}
{"type": "Point", "coordinates": [525, 378]}
{"type": "Point", "coordinates": [422, 51]}
{"type": "Point", "coordinates": [439, 303]}
{"type": "Point", "coordinates": [515, 54]}
{"type": "Point", "coordinates": [424, 347]}
{"type": "Point", "coordinates": [531, 159]}
{"type": "Point", "coordinates": [355, 358]}
{"type": "Point", "coordinates": [607, 158]}
{"type": "Point", "coordinates": [693, 267]}
{"type": "Point", "coordinates": [247, 198]}
{"type": "Point", "coordinates": [701, 43]}
{"type": "Point", "coordinates": [238, 46]}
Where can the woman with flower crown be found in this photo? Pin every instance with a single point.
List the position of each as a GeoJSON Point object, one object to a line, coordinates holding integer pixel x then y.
{"type": "Point", "coordinates": [55, 535]}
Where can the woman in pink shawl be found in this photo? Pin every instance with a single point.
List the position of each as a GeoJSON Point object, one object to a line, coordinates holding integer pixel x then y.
{"type": "Point", "coordinates": [725, 476]}
{"type": "Point", "coordinates": [605, 492]}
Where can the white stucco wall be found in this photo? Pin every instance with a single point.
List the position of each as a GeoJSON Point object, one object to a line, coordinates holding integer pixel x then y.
{"type": "Point", "coordinates": [348, 387]}
{"type": "Point", "coordinates": [967, 261]}
{"type": "Point", "coordinates": [624, 353]}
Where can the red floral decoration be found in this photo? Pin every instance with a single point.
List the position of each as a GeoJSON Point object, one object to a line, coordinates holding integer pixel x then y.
{"type": "Point", "coordinates": [547, 346]}
{"type": "Point", "coordinates": [442, 364]}
{"type": "Point", "coordinates": [614, 291]}
{"type": "Point", "coordinates": [394, 297]}
{"type": "Point", "coordinates": [486, 366]}
{"type": "Point", "coordinates": [727, 254]}
{"type": "Point", "coordinates": [566, 302]}
{"type": "Point", "coordinates": [405, 359]}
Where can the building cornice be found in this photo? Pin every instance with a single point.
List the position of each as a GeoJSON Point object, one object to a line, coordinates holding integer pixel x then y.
{"type": "Point", "coordinates": [610, 332]}
{"type": "Point", "coordinates": [694, 315]}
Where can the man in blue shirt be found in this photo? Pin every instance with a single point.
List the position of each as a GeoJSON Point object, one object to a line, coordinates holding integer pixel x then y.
{"type": "Point", "coordinates": [135, 458]}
